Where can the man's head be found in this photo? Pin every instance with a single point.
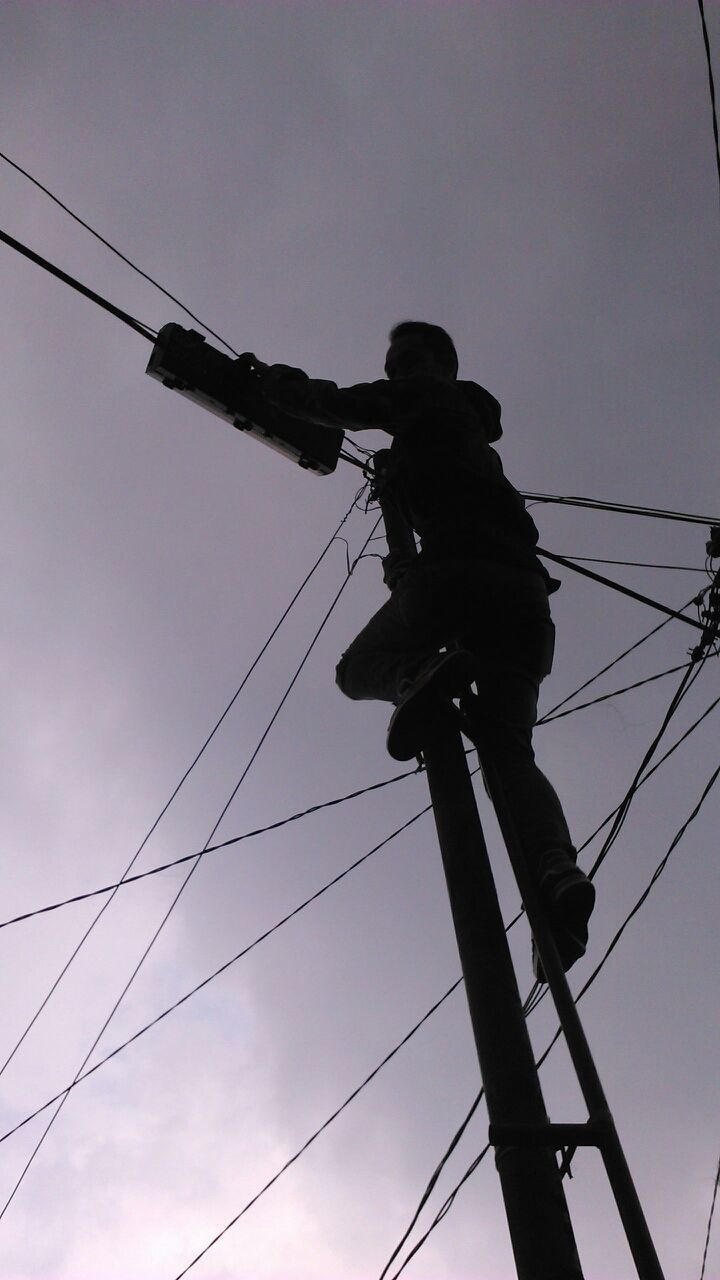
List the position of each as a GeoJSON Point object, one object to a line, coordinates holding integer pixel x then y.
{"type": "Point", "coordinates": [417, 347]}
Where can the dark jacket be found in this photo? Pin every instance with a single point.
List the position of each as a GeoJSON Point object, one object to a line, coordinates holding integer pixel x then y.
{"type": "Point", "coordinates": [444, 476]}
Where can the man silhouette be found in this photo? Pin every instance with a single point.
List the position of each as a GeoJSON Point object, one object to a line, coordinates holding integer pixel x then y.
{"type": "Point", "coordinates": [476, 589]}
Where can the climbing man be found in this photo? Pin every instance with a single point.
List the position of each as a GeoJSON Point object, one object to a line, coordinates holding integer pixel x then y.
{"type": "Point", "coordinates": [472, 606]}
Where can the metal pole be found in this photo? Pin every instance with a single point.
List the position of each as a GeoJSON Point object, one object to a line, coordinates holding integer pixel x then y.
{"type": "Point", "coordinates": [602, 1123]}
{"type": "Point", "coordinates": [524, 1140]}
{"type": "Point", "coordinates": [538, 1219]}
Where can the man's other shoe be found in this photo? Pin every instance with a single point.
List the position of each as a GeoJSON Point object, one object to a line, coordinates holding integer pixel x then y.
{"type": "Point", "coordinates": [446, 677]}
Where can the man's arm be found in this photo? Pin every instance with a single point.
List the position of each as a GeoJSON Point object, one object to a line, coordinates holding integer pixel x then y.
{"type": "Point", "coordinates": [364, 407]}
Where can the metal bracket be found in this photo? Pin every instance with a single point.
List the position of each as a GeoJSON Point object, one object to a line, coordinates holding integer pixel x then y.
{"type": "Point", "coordinates": [182, 360]}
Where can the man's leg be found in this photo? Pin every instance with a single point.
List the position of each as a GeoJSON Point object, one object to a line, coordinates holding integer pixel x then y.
{"type": "Point", "coordinates": [384, 656]}
{"type": "Point", "coordinates": [503, 716]}
{"type": "Point", "coordinates": [431, 605]}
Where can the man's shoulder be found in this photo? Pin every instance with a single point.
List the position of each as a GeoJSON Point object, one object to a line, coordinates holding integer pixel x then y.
{"type": "Point", "coordinates": [486, 404]}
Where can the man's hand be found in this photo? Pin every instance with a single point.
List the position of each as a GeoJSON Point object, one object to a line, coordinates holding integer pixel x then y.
{"type": "Point", "coordinates": [249, 363]}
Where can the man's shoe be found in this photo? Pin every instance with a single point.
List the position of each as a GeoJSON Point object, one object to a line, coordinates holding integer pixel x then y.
{"type": "Point", "coordinates": [568, 898]}
{"type": "Point", "coordinates": [446, 677]}
{"type": "Point", "coordinates": [570, 947]}
{"type": "Point", "coordinates": [565, 891]}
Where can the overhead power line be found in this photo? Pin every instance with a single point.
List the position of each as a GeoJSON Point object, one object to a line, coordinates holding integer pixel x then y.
{"type": "Point", "coordinates": [303, 813]}
{"type": "Point", "coordinates": [685, 683]}
{"type": "Point", "coordinates": [711, 82]}
{"type": "Point", "coordinates": [603, 670]}
{"type": "Point", "coordinates": [129, 320]}
{"type": "Point", "coordinates": [177, 788]}
{"type": "Point", "coordinates": [117, 252]}
{"type": "Point", "coordinates": [624, 508]}
{"type": "Point", "coordinates": [213, 848]}
{"type": "Point", "coordinates": [582, 706]}
{"type": "Point", "coordinates": [604, 823]}
{"type": "Point", "coordinates": [335, 880]}
{"type": "Point", "coordinates": [267, 933]}
{"type": "Point", "coordinates": [618, 586]}
{"type": "Point", "coordinates": [709, 1225]}
{"type": "Point", "coordinates": [188, 877]}
{"type": "Point", "coordinates": [350, 1098]}
{"type": "Point", "coordinates": [637, 564]}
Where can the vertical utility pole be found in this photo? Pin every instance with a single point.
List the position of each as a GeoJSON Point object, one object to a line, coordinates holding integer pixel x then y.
{"type": "Point", "coordinates": [537, 1214]}
{"type": "Point", "coordinates": [524, 1139]}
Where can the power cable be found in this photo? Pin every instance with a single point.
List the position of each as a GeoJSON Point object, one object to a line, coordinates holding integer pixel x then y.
{"type": "Point", "coordinates": [213, 848]}
{"type": "Point", "coordinates": [637, 564]}
{"type": "Point", "coordinates": [129, 320]}
{"type": "Point", "coordinates": [446, 1207]}
{"type": "Point", "coordinates": [216, 973]}
{"type": "Point", "coordinates": [531, 1003]}
{"type": "Point", "coordinates": [706, 42]}
{"type": "Point", "coordinates": [595, 504]}
{"type": "Point", "coordinates": [84, 1075]}
{"type": "Point", "coordinates": [274, 826]}
{"type": "Point", "coordinates": [295, 817]}
{"type": "Point", "coordinates": [650, 772]}
{"type": "Point", "coordinates": [582, 706]}
{"type": "Point", "coordinates": [351, 1097]}
{"type": "Point", "coordinates": [117, 252]}
{"type": "Point", "coordinates": [686, 682]}
{"type": "Point", "coordinates": [618, 586]}
{"type": "Point", "coordinates": [603, 670]}
{"type": "Point", "coordinates": [432, 1183]}
{"type": "Point", "coordinates": [179, 785]}
{"type": "Point", "coordinates": [65, 1093]}
{"type": "Point", "coordinates": [186, 881]}
{"type": "Point", "coordinates": [119, 1048]}
{"type": "Point", "coordinates": [709, 1225]}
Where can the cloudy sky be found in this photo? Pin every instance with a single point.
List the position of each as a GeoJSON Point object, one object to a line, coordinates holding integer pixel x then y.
{"type": "Point", "coordinates": [540, 179]}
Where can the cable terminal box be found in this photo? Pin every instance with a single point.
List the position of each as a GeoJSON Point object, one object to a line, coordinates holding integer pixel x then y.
{"type": "Point", "coordinates": [182, 360]}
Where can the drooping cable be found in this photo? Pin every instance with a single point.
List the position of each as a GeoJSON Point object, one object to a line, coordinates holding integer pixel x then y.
{"type": "Point", "coordinates": [274, 826]}
{"type": "Point", "coordinates": [177, 788]}
{"type": "Point", "coordinates": [530, 1004]}
{"type": "Point", "coordinates": [223, 968]}
{"type": "Point", "coordinates": [603, 670]}
{"type": "Point", "coordinates": [213, 848]}
{"type": "Point", "coordinates": [432, 1183]}
{"type": "Point", "coordinates": [650, 772]}
{"type": "Point", "coordinates": [603, 697]}
{"type": "Point", "coordinates": [444, 1209]}
{"type": "Point", "coordinates": [350, 1098]}
{"type": "Point", "coordinates": [117, 252]}
{"type": "Point", "coordinates": [709, 1225]}
{"type": "Point", "coordinates": [619, 587]}
{"type": "Point", "coordinates": [636, 564]}
{"type": "Point", "coordinates": [129, 320]}
{"type": "Point", "coordinates": [686, 682]}
{"type": "Point", "coordinates": [528, 1007]}
{"type": "Point", "coordinates": [186, 880]}
{"type": "Point", "coordinates": [711, 81]}
{"type": "Point", "coordinates": [596, 504]}
{"type": "Point", "coordinates": [142, 1030]}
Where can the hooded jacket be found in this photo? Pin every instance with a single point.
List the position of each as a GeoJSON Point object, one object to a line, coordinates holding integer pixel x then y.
{"type": "Point", "coordinates": [444, 476]}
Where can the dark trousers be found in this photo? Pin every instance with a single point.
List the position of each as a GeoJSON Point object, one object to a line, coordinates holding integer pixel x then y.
{"type": "Point", "coordinates": [501, 614]}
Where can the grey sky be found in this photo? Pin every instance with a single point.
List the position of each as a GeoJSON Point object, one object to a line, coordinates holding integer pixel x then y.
{"type": "Point", "coordinates": [540, 179]}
